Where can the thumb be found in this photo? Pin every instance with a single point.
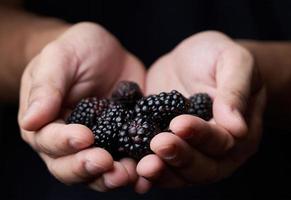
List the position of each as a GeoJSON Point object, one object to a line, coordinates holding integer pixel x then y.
{"type": "Point", "coordinates": [234, 77]}
{"type": "Point", "coordinates": [44, 85]}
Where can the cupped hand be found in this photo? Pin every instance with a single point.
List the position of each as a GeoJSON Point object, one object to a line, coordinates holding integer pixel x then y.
{"type": "Point", "coordinates": [199, 151]}
{"type": "Point", "coordinates": [84, 61]}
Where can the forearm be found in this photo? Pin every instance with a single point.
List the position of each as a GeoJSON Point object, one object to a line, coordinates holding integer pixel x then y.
{"type": "Point", "coordinates": [274, 62]}
{"type": "Point", "coordinates": [22, 36]}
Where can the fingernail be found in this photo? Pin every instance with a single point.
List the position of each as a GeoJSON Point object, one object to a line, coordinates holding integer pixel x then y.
{"type": "Point", "coordinates": [32, 108]}
{"type": "Point", "coordinates": [168, 152]}
{"type": "Point", "coordinates": [99, 188]}
{"type": "Point", "coordinates": [77, 144]}
{"type": "Point", "coordinates": [99, 185]}
{"type": "Point", "coordinates": [92, 168]}
{"type": "Point", "coordinates": [109, 184]}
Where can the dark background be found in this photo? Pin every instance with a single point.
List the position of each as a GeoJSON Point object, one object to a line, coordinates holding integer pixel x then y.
{"type": "Point", "coordinates": [150, 29]}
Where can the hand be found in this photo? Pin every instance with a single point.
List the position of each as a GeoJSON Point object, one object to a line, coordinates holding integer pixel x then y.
{"type": "Point", "coordinates": [84, 61]}
{"type": "Point", "coordinates": [199, 151]}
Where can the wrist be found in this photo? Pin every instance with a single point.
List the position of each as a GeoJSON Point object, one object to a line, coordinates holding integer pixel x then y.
{"type": "Point", "coordinates": [273, 62]}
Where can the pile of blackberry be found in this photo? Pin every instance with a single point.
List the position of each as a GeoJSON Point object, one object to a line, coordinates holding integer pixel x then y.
{"type": "Point", "coordinates": [125, 124]}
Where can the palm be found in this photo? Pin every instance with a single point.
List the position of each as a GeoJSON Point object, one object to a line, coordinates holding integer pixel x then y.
{"type": "Point", "coordinates": [190, 68]}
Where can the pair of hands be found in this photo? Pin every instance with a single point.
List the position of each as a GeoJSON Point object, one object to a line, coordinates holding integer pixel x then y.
{"type": "Point", "coordinates": [86, 60]}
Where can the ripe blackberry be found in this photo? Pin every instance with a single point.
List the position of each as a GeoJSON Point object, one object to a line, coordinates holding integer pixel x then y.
{"type": "Point", "coordinates": [87, 111]}
{"type": "Point", "coordinates": [135, 136]}
{"type": "Point", "coordinates": [127, 93]}
{"type": "Point", "coordinates": [162, 108]}
{"type": "Point", "coordinates": [108, 125]}
{"type": "Point", "coordinates": [201, 106]}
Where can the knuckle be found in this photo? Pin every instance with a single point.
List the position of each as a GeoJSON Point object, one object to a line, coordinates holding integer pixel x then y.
{"type": "Point", "coordinates": [79, 171]}
{"type": "Point", "coordinates": [238, 99]}
{"type": "Point", "coordinates": [43, 147]}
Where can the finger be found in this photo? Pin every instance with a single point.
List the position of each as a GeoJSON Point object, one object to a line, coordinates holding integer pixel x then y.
{"type": "Point", "coordinates": [58, 139]}
{"type": "Point", "coordinates": [130, 166]}
{"type": "Point", "coordinates": [50, 81]}
{"type": "Point", "coordinates": [190, 164]}
{"type": "Point", "coordinates": [115, 178]}
{"type": "Point", "coordinates": [142, 185]}
{"type": "Point", "coordinates": [206, 137]}
{"type": "Point", "coordinates": [154, 169]}
{"type": "Point", "coordinates": [98, 185]}
{"type": "Point", "coordinates": [250, 145]}
{"type": "Point", "coordinates": [150, 167]}
{"type": "Point", "coordinates": [234, 77]}
{"type": "Point", "coordinates": [80, 167]}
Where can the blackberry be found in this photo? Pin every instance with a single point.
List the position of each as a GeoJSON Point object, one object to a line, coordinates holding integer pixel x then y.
{"type": "Point", "coordinates": [135, 136]}
{"type": "Point", "coordinates": [201, 106]}
{"type": "Point", "coordinates": [127, 93]}
{"type": "Point", "coordinates": [108, 125]}
{"type": "Point", "coordinates": [162, 108]}
{"type": "Point", "coordinates": [87, 111]}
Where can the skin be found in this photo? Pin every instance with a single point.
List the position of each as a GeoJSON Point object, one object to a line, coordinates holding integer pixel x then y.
{"type": "Point", "coordinates": [199, 151]}
{"type": "Point", "coordinates": [66, 70]}
{"type": "Point", "coordinates": [60, 63]}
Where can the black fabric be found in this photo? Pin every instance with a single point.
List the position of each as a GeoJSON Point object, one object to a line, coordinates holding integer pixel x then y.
{"type": "Point", "coordinates": [150, 29]}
